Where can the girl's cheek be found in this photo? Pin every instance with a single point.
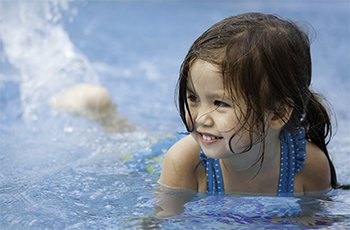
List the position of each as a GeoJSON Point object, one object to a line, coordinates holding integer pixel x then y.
{"type": "Point", "coordinates": [189, 123]}
{"type": "Point", "coordinates": [241, 138]}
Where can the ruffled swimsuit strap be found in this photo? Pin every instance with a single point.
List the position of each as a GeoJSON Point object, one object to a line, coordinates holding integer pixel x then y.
{"type": "Point", "coordinates": [293, 153]}
{"type": "Point", "coordinates": [215, 183]}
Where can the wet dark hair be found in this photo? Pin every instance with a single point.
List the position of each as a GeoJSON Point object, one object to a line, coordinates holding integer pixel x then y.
{"type": "Point", "coordinates": [266, 62]}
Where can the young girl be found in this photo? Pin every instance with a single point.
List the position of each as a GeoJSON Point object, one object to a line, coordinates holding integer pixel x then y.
{"type": "Point", "coordinates": [255, 126]}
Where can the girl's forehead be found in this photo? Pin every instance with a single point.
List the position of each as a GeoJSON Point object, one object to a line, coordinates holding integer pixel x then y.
{"type": "Point", "coordinates": [200, 69]}
{"type": "Point", "coordinates": [199, 65]}
{"type": "Point", "coordinates": [205, 78]}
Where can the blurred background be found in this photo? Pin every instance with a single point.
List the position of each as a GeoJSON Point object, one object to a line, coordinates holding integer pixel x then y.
{"type": "Point", "coordinates": [50, 160]}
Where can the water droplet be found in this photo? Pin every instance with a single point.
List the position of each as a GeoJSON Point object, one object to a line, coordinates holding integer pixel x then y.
{"type": "Point", "coordinates": [68, 129]}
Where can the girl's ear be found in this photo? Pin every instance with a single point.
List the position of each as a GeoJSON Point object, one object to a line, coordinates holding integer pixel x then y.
{"type": "Point", "coordinates": [280, 118]}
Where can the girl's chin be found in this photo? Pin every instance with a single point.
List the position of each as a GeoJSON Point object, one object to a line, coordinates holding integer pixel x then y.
{"type": "Point", "coordinates": [216, 154]}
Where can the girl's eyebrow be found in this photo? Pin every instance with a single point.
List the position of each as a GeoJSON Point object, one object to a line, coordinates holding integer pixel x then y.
{"type": "Point", "coordinates": [213, 95]}
{"type": "Point", "coordinates": [216, 95]}
{"type": "Point", "coordinates": [189, 88]}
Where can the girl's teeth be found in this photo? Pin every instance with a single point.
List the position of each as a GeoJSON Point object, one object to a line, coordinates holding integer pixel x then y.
{"type": "Point", "coordinates": [208, 138]}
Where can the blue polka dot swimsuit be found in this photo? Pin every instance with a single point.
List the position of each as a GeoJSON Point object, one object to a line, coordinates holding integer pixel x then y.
{"type": "Point", "coordinates": [293, 153]}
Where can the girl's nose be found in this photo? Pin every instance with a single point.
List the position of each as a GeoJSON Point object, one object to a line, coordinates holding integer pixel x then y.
{"type": "Point", "coordinates": [204, 118]}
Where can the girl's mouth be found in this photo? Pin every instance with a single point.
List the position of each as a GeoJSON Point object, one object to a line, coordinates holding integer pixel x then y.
{"type": "Point", "coordinates": [208, 139]}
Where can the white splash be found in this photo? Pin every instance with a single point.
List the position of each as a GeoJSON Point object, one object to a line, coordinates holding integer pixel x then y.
{"type": "Point", "coordinates": [36, 44]}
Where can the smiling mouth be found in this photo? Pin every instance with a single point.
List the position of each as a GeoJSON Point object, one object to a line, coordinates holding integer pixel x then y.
{"type": "Point", "coordinates": [208, 139]}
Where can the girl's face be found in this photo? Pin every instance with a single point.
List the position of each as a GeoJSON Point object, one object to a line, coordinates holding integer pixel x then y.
{"type": "Point", "coordinates": [215, 117]}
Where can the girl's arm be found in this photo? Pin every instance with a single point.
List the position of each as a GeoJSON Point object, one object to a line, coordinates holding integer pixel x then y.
{"type": "Point", "coordinates": [180, 178]}
{"type": "Point", "coordinates": [182, 167]}
{"type": "Point", "coordinates": [315, 173]}
{"type": "Point", "coordinates": [171, 201]}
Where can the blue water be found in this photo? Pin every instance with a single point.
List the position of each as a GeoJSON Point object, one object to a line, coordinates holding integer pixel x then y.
{"type": "Point", "coordinates": [59, 171]}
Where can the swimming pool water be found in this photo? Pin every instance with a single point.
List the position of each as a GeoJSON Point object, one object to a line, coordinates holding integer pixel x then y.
{"type": "Point", "coordinates": [59, 171]}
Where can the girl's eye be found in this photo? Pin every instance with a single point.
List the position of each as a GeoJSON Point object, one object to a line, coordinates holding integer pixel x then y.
{"type": "Point", "coordinates": [192, 98]}
{"type": "Point", "coordinates": [221, 104]}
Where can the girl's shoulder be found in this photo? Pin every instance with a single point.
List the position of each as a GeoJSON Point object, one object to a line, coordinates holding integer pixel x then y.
{"type": "Point", "coordinates": [315, 174]}
{"type": "Point", "coordinates": [181, 164]}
